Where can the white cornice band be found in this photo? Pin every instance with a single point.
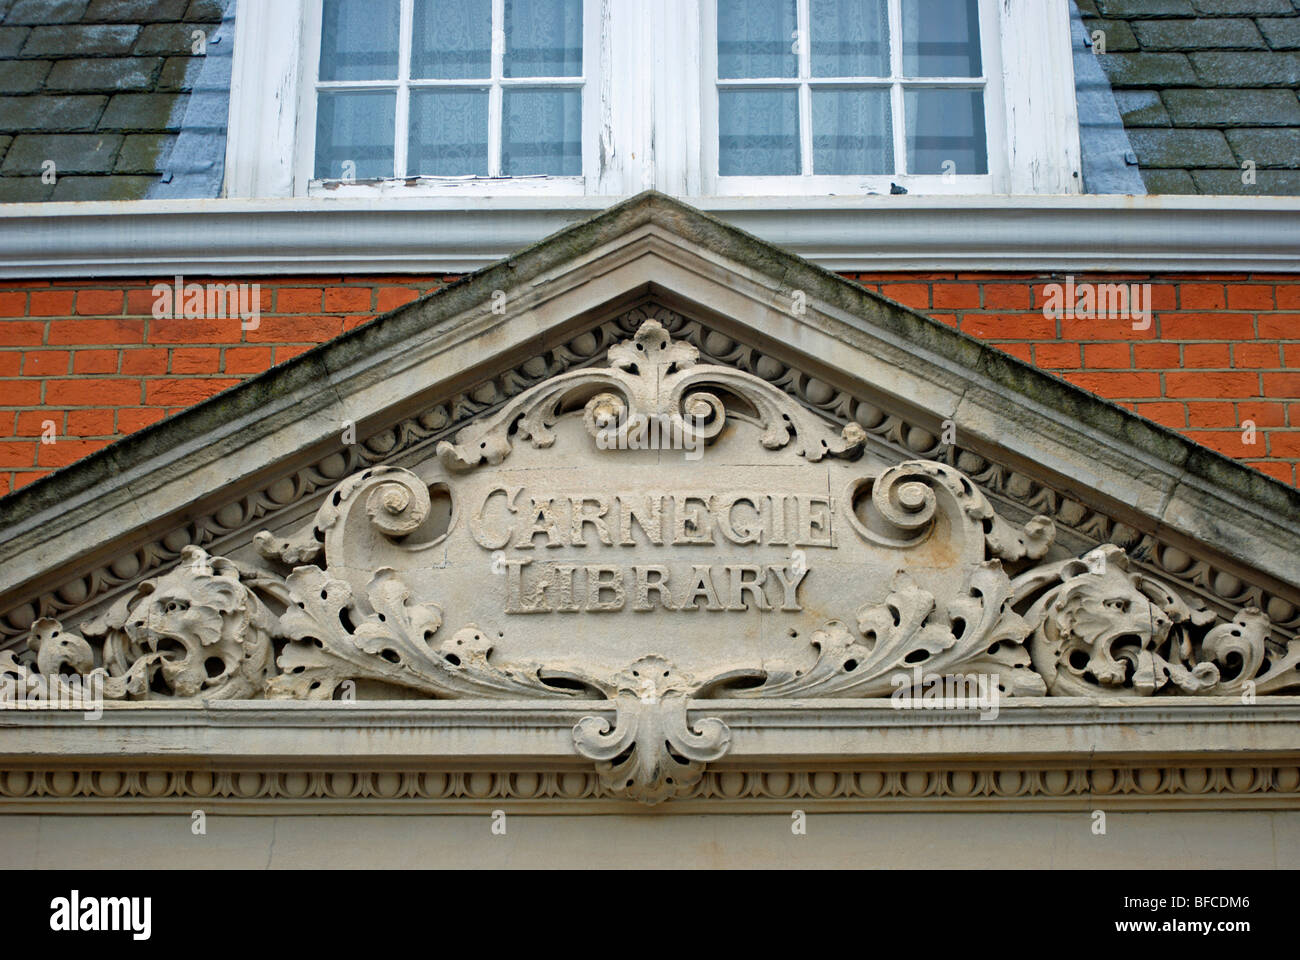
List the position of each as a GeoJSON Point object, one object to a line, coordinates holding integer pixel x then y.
{"type": "Point", "coordinates": [430, 236]}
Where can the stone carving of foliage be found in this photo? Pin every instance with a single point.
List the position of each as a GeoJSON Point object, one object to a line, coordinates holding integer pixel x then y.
{"type": "Point", "coordinates": [652, 752]}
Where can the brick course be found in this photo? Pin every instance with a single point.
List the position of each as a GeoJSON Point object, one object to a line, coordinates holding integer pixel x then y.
{"type": "Point", "coordinates": [89, 357]}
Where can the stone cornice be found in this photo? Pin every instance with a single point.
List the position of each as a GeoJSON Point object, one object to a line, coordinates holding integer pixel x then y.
{"type": "Point", "coordinates": [295, 236]}
{"type": "Point", "coordinates": [402, 757]}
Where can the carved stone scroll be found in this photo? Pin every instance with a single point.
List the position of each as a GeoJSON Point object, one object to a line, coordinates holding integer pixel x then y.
{"type": "Point", "coordinates": [657, 532]}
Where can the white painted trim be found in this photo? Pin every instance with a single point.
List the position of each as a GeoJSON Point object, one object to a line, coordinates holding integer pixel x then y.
{"type": "Point", "coordinates": [998, 84]}
{"type": "Point", "coordinates": [311, 235]}
{"type": "Point", "coordinates": [1042, 121]}
{"type": "Point", "coordinates": [594, 84]}
{"type": "Point", "coordinates": [264, 105]}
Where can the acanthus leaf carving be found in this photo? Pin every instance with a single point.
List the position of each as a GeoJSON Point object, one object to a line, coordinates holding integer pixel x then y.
{"type": "Point", "coordinates": [652, 752]}
{"type": "Point", "coordinates": [365, 596]}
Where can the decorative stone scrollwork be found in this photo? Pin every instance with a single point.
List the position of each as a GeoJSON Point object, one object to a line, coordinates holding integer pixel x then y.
{"type": "Point", "coordinates": [652, 752]}
{"type": "Point", "coordinates": [651, 378]}
{"type": "Point", "coordinates": [335, 639]}
{"type": "Point", "coordinates": [794, 563]}
{"type": "Point", "coordinates": [977, 634]}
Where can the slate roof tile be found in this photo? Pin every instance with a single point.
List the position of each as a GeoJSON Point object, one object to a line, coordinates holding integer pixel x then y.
{"type": "Point", "coordinates": [1208, 79]}
{"type": "Point", "coordinates": [100, 87]}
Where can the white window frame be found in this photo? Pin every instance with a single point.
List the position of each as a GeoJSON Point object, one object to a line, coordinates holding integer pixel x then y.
{"type": "Point", "coordinates": [649, 110]}
{"type": "Point", "coordinates": [839, 184]}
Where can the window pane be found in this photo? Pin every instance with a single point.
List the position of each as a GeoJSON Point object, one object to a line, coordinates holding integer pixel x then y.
{"type": "Point", "coordinates": [542, 133]}
{"type": "Point", "coordinates": [941, 38]}
{"type": "Point", "coordinates": [758, 132]}
{"type": "Point", "coordinates": [852, 132]}
{"type": "Point", "coordinates": [756, 38]}
{"type": "Point", "coordinates": [449, 129]}
{"type": "Point", "coordinates": [452, 40]}
{"type": "Point", "coordinates": [543, 38]}
{"type": "Point", "coordinates": [850, 38]}
{"type": "Point", "coordinates": [945, 125]}
{"type": "Point", "coordinates": [356, 127]}
{"type": "Point", "coordinates": [359, 40]}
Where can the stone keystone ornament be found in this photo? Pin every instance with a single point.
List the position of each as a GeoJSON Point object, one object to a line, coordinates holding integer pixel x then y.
{"type": "Point", "coordinates": [657, 532]}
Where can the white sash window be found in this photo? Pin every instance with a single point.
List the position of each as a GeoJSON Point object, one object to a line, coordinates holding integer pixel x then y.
{"type": "Point", "coordinates": [693, 97]}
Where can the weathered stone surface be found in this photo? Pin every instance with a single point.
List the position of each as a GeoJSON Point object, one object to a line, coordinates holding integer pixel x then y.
{"type": "Point", "coordinates": [143, 111]}
{"type": "Point", "coordinates": [1204, 33]}
{"type": "Point", "coordinates": [1141, 108]}
{"type": "Point", "coordinates": [12, 40]}
{"type": "Point", "coordinates": [80, 40]}
{"type": "Point", "coordinates": [112, 187]}
{"type": "Point", "coordinates": [1148, 69]}
{"type": "Point", "coordinates": [1145, 8]}
{"type": "Point", "coordinates": [1181, 148]}
{"type": "Point", "coordinates": [1247, 69]}
{"type": "Point", "coordinates": [22, 76]}
{"type": "Point", "coordinates": [142, 152]}
{"type": "Point", "coordinates": [1274, 183]}
{"type": "Point", "coordinates": [1281, 33]}
{"type": "Point", "coordinates": [169, 38]}
{"type": "Point", "coordinates": [1118, 34]}
{"type": "Point", "coordinates": [71, 153]}
{"type": "Point", "coordinates": [1169, 181]}
{"type": "Point", "coordinates": [1230, 108]}
{"type": "Point", "coordinates": [1267, 148]}
{"type": "Point", "coordinates": [45, 11]}
{"type": "Point", "coordinates": [134, 11]}
{"type": "Point", "coordinates": [69, 113]}
{"type": "Point", "coordinates": [104, 74]}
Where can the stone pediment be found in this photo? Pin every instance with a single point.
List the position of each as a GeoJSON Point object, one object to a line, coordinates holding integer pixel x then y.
{"type": "Point", "coordinates": [650, 464]}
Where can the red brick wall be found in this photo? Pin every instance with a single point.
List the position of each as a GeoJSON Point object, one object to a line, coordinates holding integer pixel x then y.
{"type": "Point", "coordinates": [90, 357]}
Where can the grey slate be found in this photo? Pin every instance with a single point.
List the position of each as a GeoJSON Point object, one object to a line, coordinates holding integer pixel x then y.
{"type": "Point", "coordinates": [12, 40]}
{"type": "Point", "coordinates": [106, 74]}
{"type": "Point", "coordinates": [1247, 69]}
{"type": "Point", "coordinates": [104, 86]}
{"type": "Point", "coordinates": [1232, 108]}
{"type": "Point", "coordinates": [170, 37]}
{"type": "Point", "coordinates": [1192, 34]}
{"type": "Point", "coordinates": [71, 153]}
{"type": "Point", "coordinates": [70, 113]}
{"type": "Point", "coordinates": [1148, 69]}
{"type": "Point", "coordinates": [1281, 34]}
{"type": "Point", "coordinates": [1268, 147]}
{"type": "Point", "coordinates": [111, 187]}
{"type": "Point", "coordinates": [1145, 8]}
{"type": "Point", "coordinates": [135, 11]}
{"type": "Point", "coordinates": [1169, 181]}
{"type": "Point", "coordinates": [144, 152]}
{"type": "Point", "coordinates": [1181, 148]}
{"type": "Point", "coordinates": [1243, 6]}
{"type": "Point", "coordinates": [22, 76]}
{"type": "Point", "coordinates": [1278, 183]}
{"type": "Point", "coordinates": [82, 40]}
{"type": "Point", "coordinates": [143, 111]}
{"type": "Point", "coordinates": [1208, 78]}
{"type": "Point", "coordinates": [45, 11]}
{"type": "Point", "coordinates": [1142, 108]}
